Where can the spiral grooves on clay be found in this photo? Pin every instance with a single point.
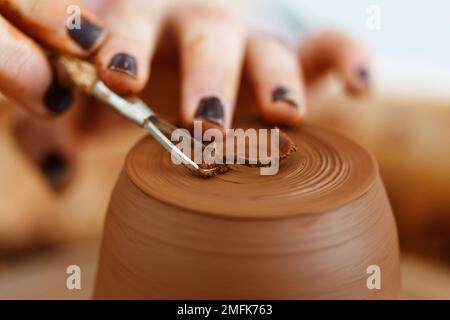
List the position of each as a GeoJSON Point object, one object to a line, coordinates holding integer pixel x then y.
{"type": "Point", "coordinates": [326, 172]}
{"type": "Point", "coordinates": [309, 232]}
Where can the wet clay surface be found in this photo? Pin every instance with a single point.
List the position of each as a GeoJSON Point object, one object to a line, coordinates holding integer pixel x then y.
{"type": "Point", "coordinates": [309, 232]}
{"type": "Point", "coordinates": [327, 171]}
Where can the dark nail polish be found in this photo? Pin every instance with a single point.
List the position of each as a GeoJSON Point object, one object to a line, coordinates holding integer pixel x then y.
{"type": "Point", "coordinates": [55, 169]}
{"type": "Point", "coordinates": [57, 98]}
{"type": "Point", "coordinates": [211, 109]}
{"type": "Point", "coordinates": [86, 35]}
{"type": "Point", "coordinates": [282, 94]}
{"type": "Point", "coordinates": [125, 63]}
{"type": "Point", "coordinates": [363, 74]}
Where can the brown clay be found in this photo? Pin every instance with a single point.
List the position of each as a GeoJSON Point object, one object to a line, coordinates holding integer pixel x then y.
{"type": "Point", "coordinates": [309, 232]}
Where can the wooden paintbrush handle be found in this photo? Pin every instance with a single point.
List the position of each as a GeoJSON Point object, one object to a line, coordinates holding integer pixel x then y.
{"type": "Point", "coordinates": [75, 71]}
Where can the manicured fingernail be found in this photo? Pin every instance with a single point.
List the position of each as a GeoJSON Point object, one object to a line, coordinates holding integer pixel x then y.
{"type": "Point", "coordinates": [86, 34]}
{"type": "Point", "coordinates": [363, 74]}
{"type": "Point", "coordinates": [211, 109]}
{"type": "Point", "coordinates": [125, 63]}
{"type": "Point", "coordinates": [55, 169]}
{"type": "Point", "coordinates": [282, 94]}
{"type": "Point", "coordinates": [57, 99]}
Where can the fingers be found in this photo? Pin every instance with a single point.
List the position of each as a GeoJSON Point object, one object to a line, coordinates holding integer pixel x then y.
{"type": "Point", "coordinates": [63, 24]}
{"type": "Point", "coordinates": [50, 145]}
{"type": "Point", "coordinates": [276, 77]}
{"type": "Point", "coordinates": [333, 51]}
{"type": "Point", "coordinates": [124, 59]}
{"type": "Point", "coordinates": [26, 76]}
{"type": "Point", "coordinates": [211, 50]}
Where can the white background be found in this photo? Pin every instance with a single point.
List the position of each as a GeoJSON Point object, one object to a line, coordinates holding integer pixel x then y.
{"type": "Point", "coordinates": [412, 48]}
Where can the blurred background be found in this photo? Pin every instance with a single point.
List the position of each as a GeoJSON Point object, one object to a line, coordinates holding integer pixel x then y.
{"type": "Point", "coordinates": [405, 123]}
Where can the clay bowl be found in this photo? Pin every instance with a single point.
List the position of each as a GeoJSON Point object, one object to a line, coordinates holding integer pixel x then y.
{"type": "Point", "coordinates": [310, 232]}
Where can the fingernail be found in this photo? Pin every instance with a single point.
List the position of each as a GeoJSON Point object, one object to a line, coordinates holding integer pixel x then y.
{"type": "Point", "coordinates": [86, 34]}
{"type": "Point", "coordinates": [57, 99]}
{"type": "Point", "coordinates": [363, 74]}
{"type": "Point", "coordinates": [283, 94]}
{"type": "Point", "coordinates": [125, 63]}
{"type": "Point", "coordinates": [211, 109]}
{"type": "Point", "coordinates": [55, 169]}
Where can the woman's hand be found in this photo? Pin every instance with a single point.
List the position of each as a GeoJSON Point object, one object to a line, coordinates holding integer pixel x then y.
{"type": "Point", "coordinates": [125, 40]}
{"type": "Point", "coordinates": [119, 35]}
{"type": "Point", "coordinates": [215, 46]}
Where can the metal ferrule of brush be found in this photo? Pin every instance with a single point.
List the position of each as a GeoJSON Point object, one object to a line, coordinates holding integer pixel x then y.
{"type": "Point", "coordinates": [136, 111]}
